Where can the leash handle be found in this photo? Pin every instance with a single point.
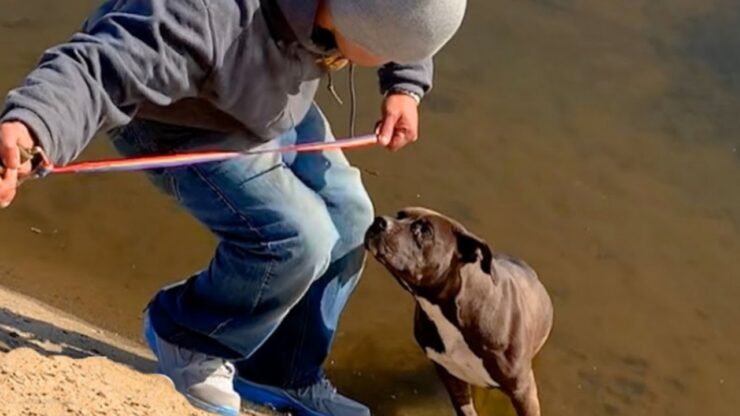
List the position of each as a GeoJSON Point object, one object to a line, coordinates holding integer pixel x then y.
{"type": "Point", "coordinates": [36, 155]}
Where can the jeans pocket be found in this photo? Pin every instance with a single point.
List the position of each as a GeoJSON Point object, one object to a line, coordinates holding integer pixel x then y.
{"type": "Point", "coordinates": [135, 140]}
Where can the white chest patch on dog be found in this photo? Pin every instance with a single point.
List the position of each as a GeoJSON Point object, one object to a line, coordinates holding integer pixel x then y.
{"type": "Point", "coordinates": [457, 357]}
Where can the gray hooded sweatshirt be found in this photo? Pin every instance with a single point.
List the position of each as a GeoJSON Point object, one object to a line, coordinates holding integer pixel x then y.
{"type": "Point", "coordinates": [220, 65]}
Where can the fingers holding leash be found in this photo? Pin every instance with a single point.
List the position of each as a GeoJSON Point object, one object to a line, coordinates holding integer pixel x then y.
{"type": "Point", "coordinates": [15, 159]}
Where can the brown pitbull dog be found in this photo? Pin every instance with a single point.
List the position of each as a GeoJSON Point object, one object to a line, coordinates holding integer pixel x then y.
{"type": "Point", "coordinates": [480, 316]}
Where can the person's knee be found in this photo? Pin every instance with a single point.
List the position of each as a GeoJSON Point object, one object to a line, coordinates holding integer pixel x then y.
{"type": "Point", "coordinates": [298, 249]}
{"type": "Point", "coordinates": [315, 238]}
{"type": "Point", "coordinates": [355, 216]}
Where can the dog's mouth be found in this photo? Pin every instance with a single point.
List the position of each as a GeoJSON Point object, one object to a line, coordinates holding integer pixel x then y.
{"type": "Point", "coordinates": [373, 244]}
{"type": "Point", "coordinates": [373, 236]}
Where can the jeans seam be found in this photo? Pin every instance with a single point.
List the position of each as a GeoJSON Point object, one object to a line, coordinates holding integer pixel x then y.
{"type": "Point", "coordinates": [227, 202]}
{"type": "Point", "coordinates": [266, 279]}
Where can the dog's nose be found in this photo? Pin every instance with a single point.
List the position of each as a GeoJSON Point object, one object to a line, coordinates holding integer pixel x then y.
{"type": "Point", "coordinates": [380, 224]}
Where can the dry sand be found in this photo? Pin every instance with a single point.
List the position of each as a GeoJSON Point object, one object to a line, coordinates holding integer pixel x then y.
{"type": "Point", "coordinates": [54, 364]}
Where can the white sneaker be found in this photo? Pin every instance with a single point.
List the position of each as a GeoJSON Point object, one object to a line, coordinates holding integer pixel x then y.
{"type": "Point", "coordinates": [207, 382]}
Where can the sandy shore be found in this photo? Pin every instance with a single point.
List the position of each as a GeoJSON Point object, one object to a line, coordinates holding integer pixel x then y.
{"type": "Point", "coordinates": [54, 364]}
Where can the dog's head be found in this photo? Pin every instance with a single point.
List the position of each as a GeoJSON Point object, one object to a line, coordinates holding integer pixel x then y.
{"type": "Point", "coordinates": [422, 248]}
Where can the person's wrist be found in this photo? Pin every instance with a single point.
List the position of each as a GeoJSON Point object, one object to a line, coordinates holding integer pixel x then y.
{"type": "Point", "coordinates": [402, 91]}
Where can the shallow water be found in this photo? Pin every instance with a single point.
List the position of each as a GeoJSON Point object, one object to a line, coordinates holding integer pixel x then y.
{"type": "Point", "coordinates": [598, 140]}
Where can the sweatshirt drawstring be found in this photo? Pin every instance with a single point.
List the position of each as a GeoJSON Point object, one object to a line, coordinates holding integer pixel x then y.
{"type": "Point", "coordinates": [353, 100]}
{"type": "Point", "coordinates": [332, 90]}
{"type": "Point", "coordinates": [352, 93]}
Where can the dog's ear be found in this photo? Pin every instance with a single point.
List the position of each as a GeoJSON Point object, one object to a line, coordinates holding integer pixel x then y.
{"type": "Point", "coordinates": [471, 249]}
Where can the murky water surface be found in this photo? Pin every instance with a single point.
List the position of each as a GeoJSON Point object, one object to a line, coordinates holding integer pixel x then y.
{"type": "Point", "coordinates": [596, 139]}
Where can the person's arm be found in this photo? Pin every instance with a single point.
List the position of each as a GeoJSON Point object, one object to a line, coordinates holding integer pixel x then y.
{"type": "Point", "coordinates": [404, 86]}
{"type": "Point", "coordinates": [412, 78]}
{"type": "Point", "coordinates": [130, 52]}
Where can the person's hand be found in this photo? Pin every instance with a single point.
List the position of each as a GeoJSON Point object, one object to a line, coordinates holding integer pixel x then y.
{"type": "Point", "coordinates": [13, 136]}
{"type": "Point", "coordinates": [399, 125]}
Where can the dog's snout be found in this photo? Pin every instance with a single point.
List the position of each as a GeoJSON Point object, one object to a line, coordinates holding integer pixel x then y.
{"type": "Point", "coordinates": [376, 232]}
{"type": "Point", "coordinates": [380, 224]}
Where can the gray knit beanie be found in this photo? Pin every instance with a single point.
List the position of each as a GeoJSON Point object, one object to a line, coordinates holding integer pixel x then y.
{"type": "Point", "coordinates": [403, 31]}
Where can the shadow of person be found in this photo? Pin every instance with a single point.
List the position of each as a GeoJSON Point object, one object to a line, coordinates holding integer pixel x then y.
{"type": "Point", "coordinates": [20, 331]}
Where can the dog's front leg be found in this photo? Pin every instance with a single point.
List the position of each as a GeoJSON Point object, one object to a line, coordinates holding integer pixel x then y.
{"type": "Point", "coordinates": [459, 391]}
{"type": "Point", "coordinates": [524, 396]}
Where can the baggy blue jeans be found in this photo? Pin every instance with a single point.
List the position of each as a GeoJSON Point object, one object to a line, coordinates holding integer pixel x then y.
{"type": "Point", "coordinates": [290, 251]}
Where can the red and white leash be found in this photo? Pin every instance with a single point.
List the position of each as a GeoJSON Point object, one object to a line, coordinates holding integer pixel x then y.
{"type": "Point", "coordinates": [43, 167]}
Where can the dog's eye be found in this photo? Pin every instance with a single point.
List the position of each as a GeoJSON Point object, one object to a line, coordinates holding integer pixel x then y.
{"type": "Point", "coordinates": [421, 229]}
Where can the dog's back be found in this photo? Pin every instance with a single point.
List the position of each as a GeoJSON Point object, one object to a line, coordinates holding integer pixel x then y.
{"type": "Point", "coordinates": [530, 298]}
